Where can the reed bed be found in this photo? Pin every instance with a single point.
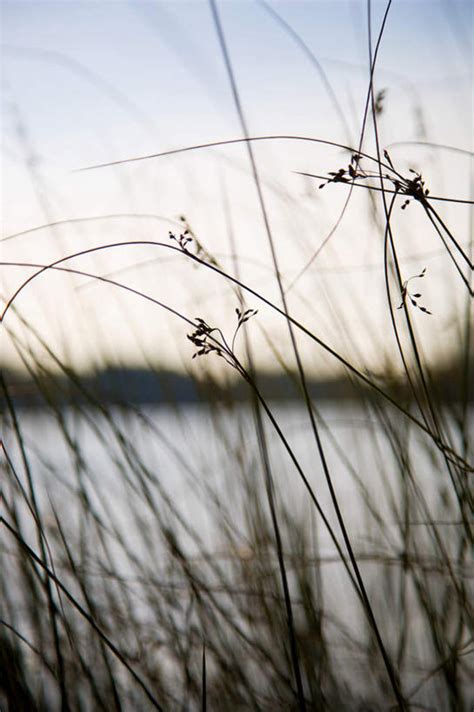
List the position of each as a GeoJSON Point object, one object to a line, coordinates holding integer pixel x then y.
{"type": "Point", "coordinates": [240, 553]}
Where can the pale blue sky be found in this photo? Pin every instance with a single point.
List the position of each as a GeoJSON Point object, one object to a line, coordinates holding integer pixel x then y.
{"type": "Point", "coordinates": [79, 70]}
{"type": "Point", "coordinates": [88, 82]}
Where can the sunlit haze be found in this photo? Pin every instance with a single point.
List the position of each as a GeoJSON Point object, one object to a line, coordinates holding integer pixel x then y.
{"type": "Point", "coordinates": [87, 83]}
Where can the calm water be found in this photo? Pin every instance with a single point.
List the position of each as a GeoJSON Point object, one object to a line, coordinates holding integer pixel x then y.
{"type": "Point", "coordinates": [202, 467]}
{"type": "Point", "coordinates": [183, 447]}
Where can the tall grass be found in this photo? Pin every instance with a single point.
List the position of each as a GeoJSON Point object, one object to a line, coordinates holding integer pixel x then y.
{"type": "Point", "coordinates": [239, 553]}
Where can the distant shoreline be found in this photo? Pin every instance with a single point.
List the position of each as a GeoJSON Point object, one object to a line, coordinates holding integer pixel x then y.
{"type": "Point", "coordinates": [142, 386]}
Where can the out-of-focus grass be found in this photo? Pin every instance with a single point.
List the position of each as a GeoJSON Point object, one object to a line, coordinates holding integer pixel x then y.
{"type": "Point", "coordinates": [237, 554]}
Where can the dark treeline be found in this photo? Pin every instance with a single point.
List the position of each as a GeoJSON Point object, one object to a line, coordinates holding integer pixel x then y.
{"type": "Point", "coordinates": [142, 386]}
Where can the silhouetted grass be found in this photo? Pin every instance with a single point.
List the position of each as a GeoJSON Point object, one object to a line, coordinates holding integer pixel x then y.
{"type": "Point", "coordinates": [218, 556]}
